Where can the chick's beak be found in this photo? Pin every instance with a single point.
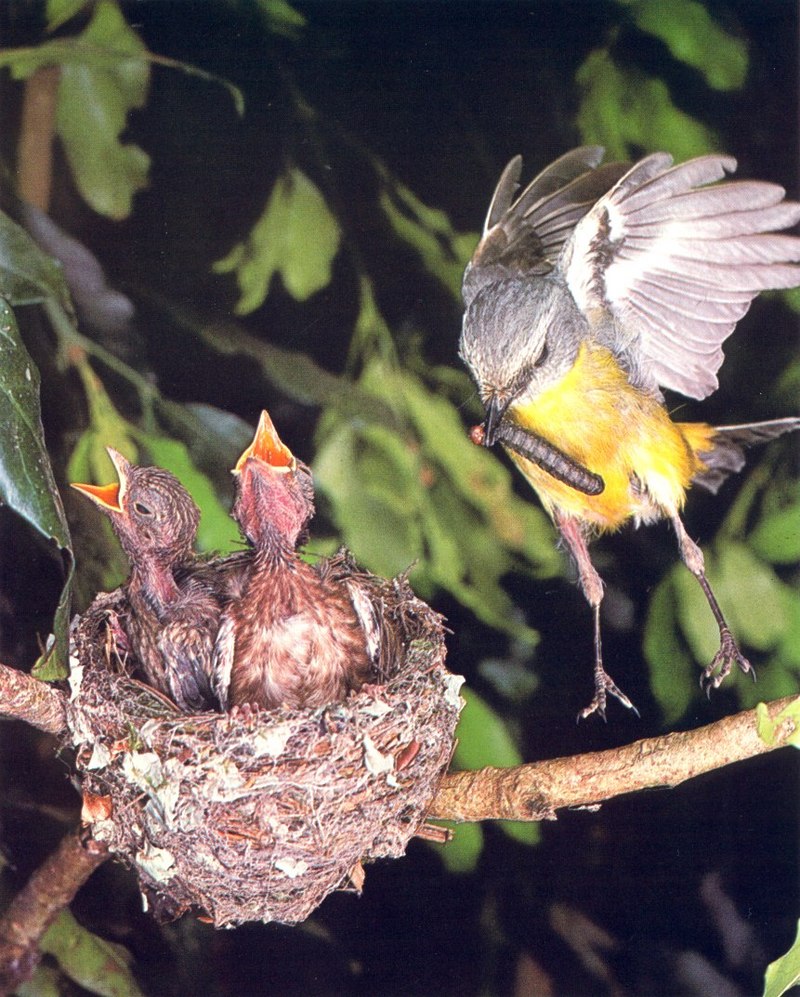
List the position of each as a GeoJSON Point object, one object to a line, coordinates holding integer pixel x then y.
{"type": "Point", "coordinates": [109, 496]}
{"type": "Point", "coordinates": [268, 448]}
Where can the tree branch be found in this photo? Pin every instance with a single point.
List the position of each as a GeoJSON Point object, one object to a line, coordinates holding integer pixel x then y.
{"type": "Point", "coordinates": [49, 890]}
{"type": "Point", "coordinates": [537, 791]}
{"type": "Point", "coordinates": [23, 697]}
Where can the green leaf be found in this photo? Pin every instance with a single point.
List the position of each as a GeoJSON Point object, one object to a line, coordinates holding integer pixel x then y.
{"type": "Point", "coordinates": [428, 231]}
{"type": "Point", "coordinates": [296, 236]}
{"type": "Point", "coordinates": [784, 973]}
{"type": "Point", "coordinates": [93, 107]}
{"type": "Point", "coordinates": [788, 650]}
{"type": "Point", "coordinates": [750, 594]}
{"type": "Point", "coordinates": [526, 832]}
{"type": "Point", "coordinates": [26, 479]}
{"type": "Point", "coordinates": [281, 18]}
{"type": "Point", "coordinates": [767, 726]}
{"type": "Point", "coordinates": [483, 738]}
{"type": "Point", "coordinates": [461, 854]}
{"type": "Point", "coordinates": [776, 537]}
{"type": "Point", "coordinates": [99, 966]}
{"type": "Point", "coordinates": [695, 38]}
{"type": "Point", "coordinates": [217, 531]}
{"type": "Point", "coordinates": [626, 111]}
{"type": "Point", "coordinates": [61, 11]}
{"type": "Point", "coordinates": [27, 275]}
{"type": "Point", "coordinates": [673, 675]}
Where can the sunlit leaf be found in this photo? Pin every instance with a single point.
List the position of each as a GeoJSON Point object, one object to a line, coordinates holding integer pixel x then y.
{"type": "Point", "coordinates": [673, 673]}
{"type": "Point", "coordinates": [26, 479]}
{"type": "Point", "coordinates": [695, 38]}
{"type": "Point", "coordinates": [93, 107]}
{"type": "Point", "coordinates": [768, 726]}
{"type": "Point", "coordinates": [626, 111]}
{"type": "Point", "coordinates": [784, 973]}
{"type": "Point", "coordinates": [98, 966]}
{"type": "Point", "coordinates": [296, 236]}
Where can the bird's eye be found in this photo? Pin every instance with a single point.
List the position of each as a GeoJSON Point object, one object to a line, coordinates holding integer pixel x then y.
{"type": "Point", "coordinates": [142, 509]}
{"type": "Point", "coordinates": [542, 356]}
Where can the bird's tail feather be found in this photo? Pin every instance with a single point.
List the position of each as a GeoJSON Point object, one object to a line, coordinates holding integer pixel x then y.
{"type": "Point", "coordinates": [729, 443]}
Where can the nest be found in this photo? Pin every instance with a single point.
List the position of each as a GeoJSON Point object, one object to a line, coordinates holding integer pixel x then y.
{"type": "Point", "coordinates": [259, 818]}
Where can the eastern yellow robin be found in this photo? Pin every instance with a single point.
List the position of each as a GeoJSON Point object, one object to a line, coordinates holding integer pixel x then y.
{"type": "Point", "coordinates": [173, 611]}
{"type": "Point", "coordinates": [589, 292]}
{"type": "Point", "coordinates": [297, 637]}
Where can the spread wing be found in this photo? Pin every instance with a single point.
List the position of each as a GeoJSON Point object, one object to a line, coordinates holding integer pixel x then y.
{"type": "Point", "coordinates": [676, 258]}
{"type": "Point", "coordinates": [524, 235]}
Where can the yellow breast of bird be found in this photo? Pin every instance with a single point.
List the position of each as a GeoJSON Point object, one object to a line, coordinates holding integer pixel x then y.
{"type": "Point", "coordinates": [597, 417]}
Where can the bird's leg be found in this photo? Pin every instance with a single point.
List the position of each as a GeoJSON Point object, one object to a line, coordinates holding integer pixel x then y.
{"type": "Point", "coordinates": [728, 652]}
{"type": "Point", "coordinates": [592, 586]}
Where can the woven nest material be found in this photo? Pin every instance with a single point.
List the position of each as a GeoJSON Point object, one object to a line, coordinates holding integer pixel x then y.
{"type": "Point", "coordinates": [259, 818]}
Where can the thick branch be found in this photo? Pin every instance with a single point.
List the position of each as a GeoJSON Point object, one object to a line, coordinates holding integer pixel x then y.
{"type": "Point", "coordinates": [23, 697]}
{"type": "Point", "coordinates": [536, 791]}
{"type": "Point", "coordinates": [37, 905]}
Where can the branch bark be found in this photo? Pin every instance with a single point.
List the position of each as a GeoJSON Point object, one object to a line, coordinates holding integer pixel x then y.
{"type": "Point", "coordinates": [538, 790]}
{"type": "Point", "coordinates": [36, 906]}
{"type": "Point", "coordinates": [23, 697]}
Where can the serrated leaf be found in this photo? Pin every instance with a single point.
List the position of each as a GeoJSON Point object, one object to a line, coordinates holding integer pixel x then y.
{"type": "Point", "coordinates": [296, 236]}
{"type": "Point", "coordinates": [26, 479]}
{"type": "Point", "coordinates": [99, 966]}
{"type": "Point", "coordinates": [626, 111]}
{"type": "Point", "coordinates": [673, 674]}
{"type": "Point", "coordinates": [483, 737]}
{"type": "Point", "coordinates": [784, 973]}
{"type": "Point", "coordinates": [694, 38]}
{"type": "Point", "coordinates": [92, 112]}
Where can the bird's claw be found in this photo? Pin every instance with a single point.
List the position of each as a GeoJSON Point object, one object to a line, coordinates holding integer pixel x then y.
{"type": "Point", "coordinates": [722, 663]}
{"type": "Point", "coordinates": [605, 686]}
{"type": "Point", "coordinates": [246, 714]}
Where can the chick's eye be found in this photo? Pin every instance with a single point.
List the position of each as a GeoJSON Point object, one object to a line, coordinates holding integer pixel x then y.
{"type": "Point", "coordinates": [142, 509]}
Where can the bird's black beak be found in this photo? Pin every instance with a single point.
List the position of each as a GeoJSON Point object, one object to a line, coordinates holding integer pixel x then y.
{"type": "Point", "coordinates": [495, 410]}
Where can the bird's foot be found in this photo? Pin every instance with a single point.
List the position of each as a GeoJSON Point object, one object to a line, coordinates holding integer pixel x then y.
{"type": "Point", "coordinates": [604, 687]}
{"type": "Point", "coordinates": [723, 661]}
{"type": "Point", "coordinates": [247, 714]}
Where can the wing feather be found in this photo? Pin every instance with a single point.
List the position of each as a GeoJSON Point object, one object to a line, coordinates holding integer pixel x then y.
{"type": "Point", "coordinates": [676, 263]}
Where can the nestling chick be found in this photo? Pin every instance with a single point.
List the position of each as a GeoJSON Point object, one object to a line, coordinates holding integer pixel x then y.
{"type": "Point", "coordinates": [173, 612]}
{"type": "Point", "coordinates": [295, 638]}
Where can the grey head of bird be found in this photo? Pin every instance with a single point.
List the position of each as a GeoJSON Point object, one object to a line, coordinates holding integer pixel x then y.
{"type": "Point", "coordinates": [274, 492]}
{"type": "Point", "coordinates": [152, 514]}
{"type": "Point", "coordinates": [518, 337]}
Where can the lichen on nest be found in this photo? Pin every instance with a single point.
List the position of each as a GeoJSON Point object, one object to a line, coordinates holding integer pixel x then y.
{"type": "Point", "coordinates": [259, 817]}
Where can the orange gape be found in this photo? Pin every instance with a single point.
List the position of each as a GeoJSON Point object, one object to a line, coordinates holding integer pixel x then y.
{"type": "Point", "coordinates": [589, 292]}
